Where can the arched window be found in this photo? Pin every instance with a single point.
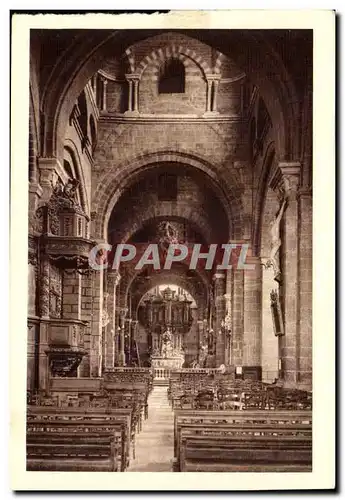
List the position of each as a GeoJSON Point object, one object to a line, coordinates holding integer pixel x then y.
{"type": "Point", "coordinates": [172, 77]}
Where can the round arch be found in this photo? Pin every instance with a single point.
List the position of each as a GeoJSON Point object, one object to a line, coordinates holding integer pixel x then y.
{"type": "Point", "coordinates": [112, 186]}
{"type": "Point", "coordinates": [259, 61]}
{"type": "Point", "coordinates": [157, 57]}
{"type": "Point", "coordinates": [197, 284]}
{"type": "Point", "coordinates": [268, 165]}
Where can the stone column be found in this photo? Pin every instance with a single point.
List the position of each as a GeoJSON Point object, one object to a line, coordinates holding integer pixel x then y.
{"type": "Point", "coordinates": [237, 321]}
{"type": "Point", "coordinates": [270, 343]}
{"type": "Point", "coordinates": [43, 362]}
{"type": "Point", "coordinates": [219, 292]}
{"type": "Point", "coordinates": [134, 326]}
{"type": "Point", "coordinates": [113, 279]}
{"type": "Point", "coordinates": [122, 358]}
{"type": "Point", "coordinates": [215, 94]}
{"type": "Point", "coordinates": [130, 93]}
{"type": "Point", "coordinates": [290, 178]}
{"type": "Point", "coordinates": [104, 95]}
{"type": "Point", "coordinates": [136, 95]}
{"type": "Point", "coordinates": [252, 315]}
{"type": "Point", "coordinates": [305, 286]}
{"type": "Point", "coordinates": [86, 311]}
{"type": "Point", "coordinates": [229, 314]}
{"type": "Point", "coordinates": [200, 336]}
{"type": "Point", "coordinates": [286, 181]}
{"type": "Point", "coordinates": [209, 95]}
{"type": "Point", "coordinates": [96, 325]}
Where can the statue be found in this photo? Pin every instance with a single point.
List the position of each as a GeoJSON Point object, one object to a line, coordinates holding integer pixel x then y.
{"type": "Point", "coordinates": [167, 347]}
{"type": "Point", "coordinates": [168, 235]}
{"type": "Point", "coordinates": [276, 241]}
{"type": "Point", "coordinates": [203, 353]}
{"type": "Point", "coordinates": [70, 190]}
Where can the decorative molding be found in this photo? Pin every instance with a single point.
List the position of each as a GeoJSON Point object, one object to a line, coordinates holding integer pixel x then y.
{"type": "Point", "coordinates": [110, 77]}
{"type": "Point", "coordinates": [139, 118]}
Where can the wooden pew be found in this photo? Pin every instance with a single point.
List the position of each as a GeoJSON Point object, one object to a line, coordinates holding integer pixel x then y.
{"type": "Point", "coordinates": [226, 453]}
{"type": "Point", "coordinates": [278, 427]}
{"type": "Point", "coordinates": [85, 420]}
{"type": "Point", "coordinates": [71, 451]}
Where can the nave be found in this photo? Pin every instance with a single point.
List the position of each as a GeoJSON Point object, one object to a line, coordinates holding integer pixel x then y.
{"type": "Point", "coordinates": [141, 141]}
{"type": "Point", "coordinates": [155, 444]}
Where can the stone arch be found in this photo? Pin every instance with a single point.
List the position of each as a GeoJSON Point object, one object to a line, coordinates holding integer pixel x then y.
{"type": "Point", "coordinates": [130, 59]}
{"type": "Point", "coordinates": [174, 279]}
{"type": "Point", "coordinates": [268, 165]}
{"type": "Point", "coordinates": [258, 59]}
{"type": "Point", "coordinates": [218, 63]}
{"type": "Point", "coordinates": [197, 286]}
{"type": "Point", "coordinates": [157, 57]}
{"type": "Point", "coordinates": [112, 185]}
{"type": "Point", "coordinates": [183, 212]}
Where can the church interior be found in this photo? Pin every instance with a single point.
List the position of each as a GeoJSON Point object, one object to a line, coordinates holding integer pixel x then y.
{"type": "Point", "coordinates": [194, 137]}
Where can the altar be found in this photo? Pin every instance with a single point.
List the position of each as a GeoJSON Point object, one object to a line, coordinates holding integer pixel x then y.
{"type": "Point", "coordinates": [167, 317]}
{"type": "Point", "coordinates": [167, 351]}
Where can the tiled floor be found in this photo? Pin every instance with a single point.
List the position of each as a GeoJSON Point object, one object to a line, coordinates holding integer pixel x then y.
{"type": "Point", "coordinates": [154, 444]}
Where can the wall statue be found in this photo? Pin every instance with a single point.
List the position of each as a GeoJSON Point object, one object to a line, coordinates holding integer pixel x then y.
{"type": "Point", "coordinates": [276, 242]}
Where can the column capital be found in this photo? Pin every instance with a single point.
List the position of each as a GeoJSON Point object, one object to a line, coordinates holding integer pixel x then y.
{"type": "Point", "coordinates": [213, 77]}
{"type": "Point", "coordinates": [114, 277]}
{"type": "Point", "coordinates": [219, 276]}
{"type": "Point", "coordinates": [286, 178]}
{"type": "Point", "coordinates": [122, 311]}
{"type": "Point", "coordinates": [132, 77]}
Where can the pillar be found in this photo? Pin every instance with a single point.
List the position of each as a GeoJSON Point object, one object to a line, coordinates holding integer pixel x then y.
{"type": "Point", "coordinates": [43, 364]}
{"type": "Point", "coordinates": [290, 177]}
{"type": "Point", "coordinates": [237, 321]}
{"type": "Point", "coordinates": [96, 325]}
{"type": "Point", "coordinates": [104, 95]}
{"type": "Point", "coordinates": [113, 279]}
{"type": "Point", "coordinates": [270, 343]}
{"type": "Point", "coordinates": [252, 316]}
{"type": "Point", "coordinates": [86, 312]}
{"type": "Point", "coordinates": [136, 95]}
{"type": "Point", "coordinates": [219, 292]}
{"type": "Point", "coordinates": [130, 94]}
{"type": "Point", "coordinates": [209, 95]}
{"type": "Point", "coordinates": [229, 314]}
{"type": "Point", "coordinates": [215, 94]}
{"type": "Point", "coordinates": [305, 287]}
{"type": "Point", "coordinates": [122, 315]}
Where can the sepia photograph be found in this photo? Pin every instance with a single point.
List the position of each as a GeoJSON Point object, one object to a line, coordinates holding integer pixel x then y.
{"type": "Point", "coordinates": [170, 249]}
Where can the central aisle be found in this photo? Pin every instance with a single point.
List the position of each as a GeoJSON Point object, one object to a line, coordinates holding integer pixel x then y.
{"type": "Point", "coordinates": [155, 443]}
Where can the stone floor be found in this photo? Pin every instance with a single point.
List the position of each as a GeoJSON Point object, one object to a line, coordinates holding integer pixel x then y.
{"type": "Point", "coordinates": [155, 443]}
